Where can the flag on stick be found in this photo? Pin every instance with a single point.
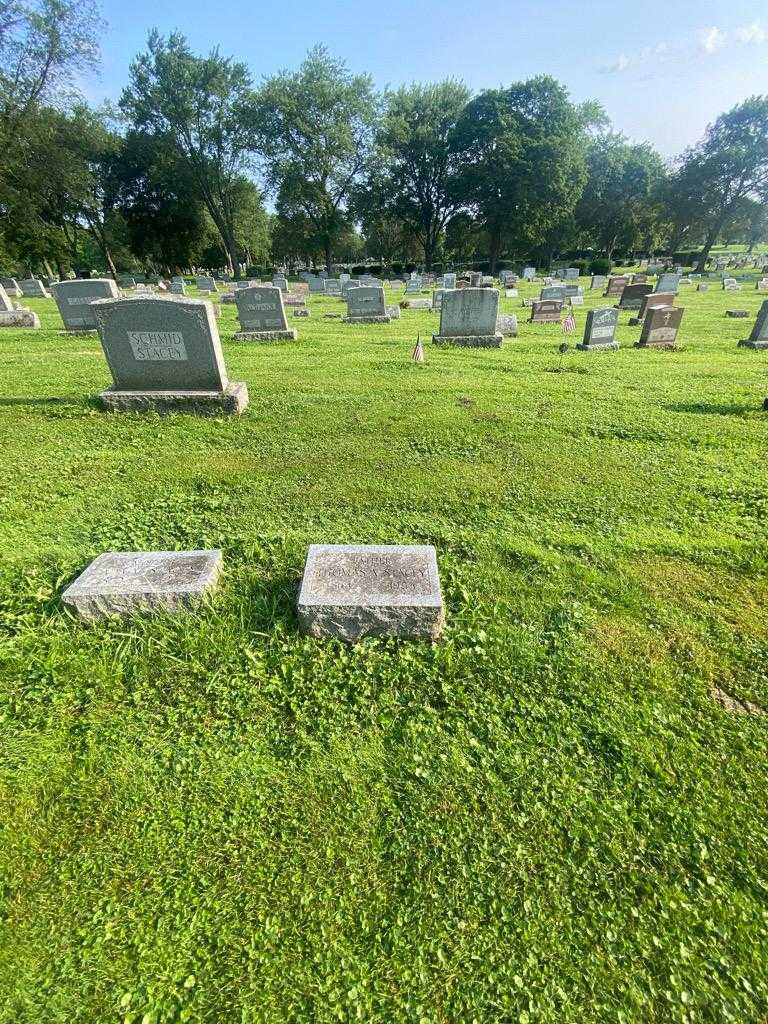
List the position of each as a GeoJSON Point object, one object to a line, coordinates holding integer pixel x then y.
{"type": "Point", "coordinates": [569, 324]}
{"type": "Point", "coordinates": [418, 352]}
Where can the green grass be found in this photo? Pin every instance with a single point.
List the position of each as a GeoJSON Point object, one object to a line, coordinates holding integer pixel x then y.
{"type": "Point", "coordinates": [545, 817]}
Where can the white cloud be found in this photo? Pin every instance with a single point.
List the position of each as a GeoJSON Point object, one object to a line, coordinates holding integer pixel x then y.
{"type": "Point", "coordinates": [754, 33]}
{"type": "Point", "coordinates": [711, 39]}
{"type": "Point", "coordinates": [704, 42]}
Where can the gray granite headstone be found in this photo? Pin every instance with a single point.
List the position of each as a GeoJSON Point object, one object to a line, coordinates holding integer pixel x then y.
{"type": "Point", "coordinates": [667, 283]}
{"type": "Point", "coordinates": [600, 330]}
{"type": "Point", "coordinates": [449, 281]}
{"type": "Point", "coordinates": [178, 286]}
{"type": "Point", "coordinates": [650, 301]}
{"type": "Point", "coordinates": [660, 327]}
{"type": "Point", "coordinates": [165, 355]}
{"type": "Point", "coordinates": [6, 306]}
{"type": "Point", "coordinates": [571, 273]}
{"type": "Point", "coordinates": [758, 337]}
{"type": "Point", "coordinates": [529, 273]}
{"type": "Point", "coordinates": [506, 325]}
{"type": "Point", "coordinates": [131, 582]}
{"type": "Point", "coordinates": [437, 297]}
{"type": "Point", "coordinates": [633, 294]}
{"type": "Point", "coordinates": [598, 281]}
{"type": "Point", "coordinates": [74, 300]}
{"type": "Point", "coordinates": [317, 285]}
{"type": "Point", "coordinates": [261, 314]}
{"type": "Point", "coordinates": [206, 284]}
{"type": "Point", "coordinates": [11, 286]}
{"type": "Point", "coordinates": [554, 291]}
{"type": "Point", "coordinates": [616, 286]}
{"type": "Point", "coordinates": [366, 305]}
{"type": "Point", "coordinates": [351, 591]}
{"type": "Point", "coordinates": [31, 288]}
{"type": "Point", "coordinates": [468, 318]}
{"type": "Point", "coordinates": [280, 281]}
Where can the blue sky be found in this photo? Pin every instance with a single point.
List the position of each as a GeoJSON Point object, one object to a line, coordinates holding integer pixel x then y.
{"type": "Point", "coordinates": [662, 72]}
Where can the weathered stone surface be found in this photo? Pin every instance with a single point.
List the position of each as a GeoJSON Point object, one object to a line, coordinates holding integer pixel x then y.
{"type": "Point", "coordinates": [546, 311]}
{"type": "Point", "coordinates": [737, 314]}
{"type": "Point", "coordinates": [11, 286]}
{"type": "Point", "coordinates": [393, 312]}
{"type": "Point", "coordinates": [232, 401]}
{"type": "Point", "coordinates": [19, 318]}
{"type": "Point", "coordinates": [74, 299]}
{"type": "Point", "coordinates": [506, 325]}
{"type": "Point", "coordinates": [351, 591]}
{"type": "Point", "coordinates": [633, 295]}
{"type": "Point", "coordinates": [469, 313]}
{"type": "Point", "coordinates": [758, 337]}
{"type": "Point", "coordinates": [417, 304]}
{"type": "Point", "coordinates": [33, 289]}
{"type": "Point", "coordinates": [130, 582]}
{"type": "Point", "coordinates": [366, 305]}
{"type": "Point", "coordinates": [616, 286]}
{"type": "Point", "coordinates": [600, 330]}
{"type": "Point", "coordinates": [660, 327]}
{"type": "Point", "coordinates": [6, 306]}
{"type": "Point", "coordinates": [302, 312]}
{"type": "Point", "coordinates": [206, 284]}
{"type": "Point", "coordinates": [262, 315]}
{"type": "Point", "coordinates": [668, 283]}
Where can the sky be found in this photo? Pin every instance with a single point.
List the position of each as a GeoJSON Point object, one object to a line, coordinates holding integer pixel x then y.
{"type": "Point", "coordinates": [662, 72]}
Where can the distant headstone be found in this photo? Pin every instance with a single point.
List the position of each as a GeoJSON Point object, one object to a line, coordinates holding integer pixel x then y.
{"type": "Point", "coordinates": [301, 312]}
{"type": "Point", "coordinates": [762, 285]}
{"type": "Point", "coordinates": [317, 285]}
{"type": "Point", "coordinates": [11, 286]}
{"type": "Point", "coordinates": [350, 591]}
{"type": "Point", "coordinates": [529, 273]}
{"type": "Point", "coordinates": [730, 284]}
{"type": "Point", "coordinates": [737, 314]}
{"type": "Point", "coordinates": [13, 317]}
{"type": "Point", "coordinates": [660, 327]}
{"type": "Point", "coordinates": [413, 286]}
{"type": "Point", "coordinates": [31, 288]}
{"type": "Point", "coordinates": [758, 337]}
{"type": "Point", "coordinates": [506, 325]}
{"type": "Point", "coordinates": [280, 281]}
{"type": "Point", "coordinates": [573, 289]}
{"type": "Point", "coordinates": [468, 318]}
{"type": "Point", "coordinates": [576, 300]}
{"type": "Point", "coordinates": [130, 582]}
{"type": "Point", "coordinates": [651, 301]}
{"type": "Point", "coordinates": [475, 279]}
{"type": "Point", "coordinates": [206, 284]}
{"type": "Point", "coordinates": [74, 300]}
{"type": "Point", "coordinates": [667, 283]}
{"type": "Point", "coordinates": [633, 294]}
{"type": "Point", "coordinates": [639, 279]}
{"type": "Point", "coordinates": [437, 297]}
{"type": "Point", "coordinates": [703, 287]}
{"type": "Point", "coordinates": [261, 314]}
{"type": "Point", "coordinates": [616, 286]}
{"type": "Point", "coordinates": [600, 330]}
{"type": "Point", "coordinates": [366, 305]}
{"type": "Point", "coordinates": [333, 287]}
{"type": "Point", "coordinates": [598, 281]}
{"type": "Point", "coordinates": [165, 356]}
{"type": "Point", "coordinates": [571, 273]}
{"type": "Point", "coordinates": [449, 281]}
{"type": "Point", "coordinates": [546, 311]}
{"type": "Point", "coordinates": [554, 291]}
{"type": "Point", "coordinates": [511, 293]}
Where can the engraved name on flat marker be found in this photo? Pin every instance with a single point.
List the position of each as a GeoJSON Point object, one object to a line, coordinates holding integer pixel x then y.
{"type": "Point", "coordinates": [158, 346]}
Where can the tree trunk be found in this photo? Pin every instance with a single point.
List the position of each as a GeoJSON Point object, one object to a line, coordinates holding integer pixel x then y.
{"type": "Point", "coordinates": [327, 247]}
{"type": "Point", "coordinates": [48, 269]}
{"type": "Point", "coordinates": [709, 241]}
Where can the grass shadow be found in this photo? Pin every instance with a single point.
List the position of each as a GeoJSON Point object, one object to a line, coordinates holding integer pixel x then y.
{"type": "Point", "coordinates": [710, 408]}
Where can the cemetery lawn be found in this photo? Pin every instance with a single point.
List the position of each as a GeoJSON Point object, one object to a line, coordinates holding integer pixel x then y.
{"type": "Point", "coordinates": [548, 816]}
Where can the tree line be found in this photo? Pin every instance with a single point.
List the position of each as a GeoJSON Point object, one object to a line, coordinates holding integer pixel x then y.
{"type": "Point", "coordinates": [178, 172]}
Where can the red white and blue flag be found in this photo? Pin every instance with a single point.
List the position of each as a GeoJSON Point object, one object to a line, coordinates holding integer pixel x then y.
{"type": "Point", "coordinates": [569, 324]}
{"type": "Point", "coordinates": [418, 352]}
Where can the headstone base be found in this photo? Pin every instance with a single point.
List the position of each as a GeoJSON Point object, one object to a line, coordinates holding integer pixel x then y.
{"type": "Point", "coordinates": [19, 318]}
{"type": "Point", "coordinates": [470, 341]}
{"type": "Point", "coordinates": [77, 331]}
{"type": "Point", "coordinates": [289, 335]}
{"type": "Point", "coordinates": [627, 306]}
{"type": "Point", "coordinates": [366, 319]}
{"type": "Point", "coordinates": [597, 346]}
{"type": "Point", "coordinates": [737, 314]}
{"type": "Point", "coordinates": [230, 402]}
{"type": "Point", "coordinates": [130, 582]}
{"type": "Point", "coordinates": [228, 299]}
{"type": "Point", "coordinates": [759, 345]}
{"type": "Point", "coordinates": [635, 321]}
{"type": "Point", "coordinates": [654, 344]}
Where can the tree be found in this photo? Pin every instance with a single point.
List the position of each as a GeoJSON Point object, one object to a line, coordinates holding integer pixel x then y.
{"type": "Point", "coordinates": [729, 166]}
{"type": "Point", "coordinates": [417, 161]}
{"type": "Point", "coordinates": [205, 104]}
{"type": "Point", "coordinates": [618, 205]}
{"type": "Point", "coordinates": [523, 160]}
{"type": "Point", "coordinates": [315, 132]}
{"type": "Point", "coordinates": [44, 46]}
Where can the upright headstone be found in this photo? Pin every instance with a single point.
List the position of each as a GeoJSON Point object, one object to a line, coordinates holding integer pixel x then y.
{"type": "Point", "coordinates": [667, 283]}
{"type": "Point", "coordinates": [31, 288]}
{"type": "Point", "coordinates": [529, 273]}
{"type": "Point", "coordinates": [280, 281]}
{"type": "Point", "coordinates": [660, 327]}
{"type": "Point", "coordinates": [553, 291]}
{"type": "Point", "coordinates": [366, 305]}
{"type": "Point", "coordinates": [475, 279]}
{"type": "Point", "coordinates": [633, 294]}
{"type": "Point", "coordinates": [333, 287]}
{"type": "Point", "coordinates": [598, 281]}
{"type": "Point", "coordinates": [317, 285]}
{"type": "Point", "coordinates": [11, 286]}
{"type": "Point", "coordinates": [468, 318]}
{"type": "Point", "coordinates": [165, 356]}
{"type": "Point", "coordinates": [730, 284]}
{"type": "Point", "coordinates": [413, 286]}
{"type": "Point", "coordinates": [178, 287]}
{"type": "Point", "coordinates": [546, 311]}
{"type": "Point", "coordinates": [616, 286]}
{"type": "Point", "coordinates": [13, 317]}
{"type": "Point", "coordinates": [600, 330]}
{"type": "Point", "coordinates": [449, 281]}
{"type": "Point", "coordinates": [571, 273]}
{"type": "Point", "coordinates": [758, 337]}
{"type": "Point", "coordinates": [262, 315]}
{"type": "Point", "coordinates": [74, 300]}
{"type": "Point", "coordinates": [350, 591]}
{"type": "Point", "coordinates": [651, 301]}
{"type": "Point", "coordinates": [206, 284]}
{"type": "Point", "coordinates": [437, 297]}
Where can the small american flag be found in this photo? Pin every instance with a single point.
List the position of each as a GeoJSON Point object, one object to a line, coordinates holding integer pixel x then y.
{"type": "Point", "coordinates": [569, 324]}
{"type": "Point", "coordinates": [418, 352]}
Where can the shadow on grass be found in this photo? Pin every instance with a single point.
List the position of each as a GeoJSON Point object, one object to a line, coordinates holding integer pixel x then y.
{"type": "Point", "coordinates": [711, 408]}
{"type": "Point", "coordinates": [33, 401]}
{"type": "Point", "coordinates": [268, 603]}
